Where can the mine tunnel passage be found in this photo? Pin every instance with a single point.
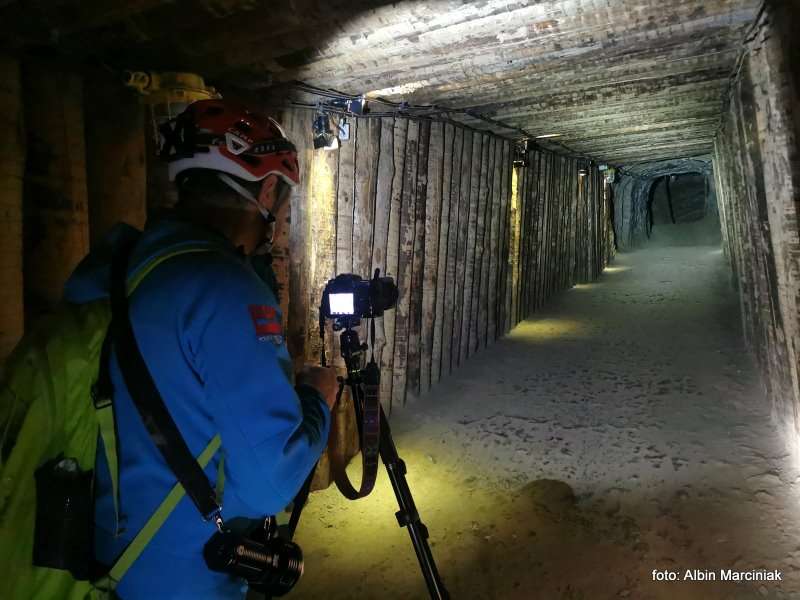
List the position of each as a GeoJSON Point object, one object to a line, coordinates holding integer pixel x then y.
{"type": "Point", "coordinates": [589, 209]}
{"type": "Point", "coordinates": [622, 429]}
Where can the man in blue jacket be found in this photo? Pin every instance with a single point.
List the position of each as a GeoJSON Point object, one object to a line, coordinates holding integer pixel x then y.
{"type": "Point", "coordinates": [209, 329]}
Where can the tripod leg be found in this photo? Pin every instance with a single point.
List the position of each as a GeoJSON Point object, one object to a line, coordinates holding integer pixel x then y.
{"type": "Point", "coordinates": [408, 516]}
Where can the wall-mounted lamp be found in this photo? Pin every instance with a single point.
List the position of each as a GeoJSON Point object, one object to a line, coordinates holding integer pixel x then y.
{"type": "Point", "coordinates": [344, 129]}
{"type": "Point", "coordinates": [609, 172]}
{"type": "Point", "coordinates": [521, 153]}
{"type": "Point", "coordinates": [324, 138]}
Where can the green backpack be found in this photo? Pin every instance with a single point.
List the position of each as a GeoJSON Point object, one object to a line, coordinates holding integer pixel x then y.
{"type": "Point", "coordinates": [47, 411]}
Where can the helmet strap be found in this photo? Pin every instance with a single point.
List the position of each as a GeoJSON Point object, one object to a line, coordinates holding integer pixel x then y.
{"type": "Point", "coordinates": [245, 193]}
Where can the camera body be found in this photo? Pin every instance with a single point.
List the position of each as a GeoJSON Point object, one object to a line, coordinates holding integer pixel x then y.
{"type": "Point", "coordinates": [348, 298]}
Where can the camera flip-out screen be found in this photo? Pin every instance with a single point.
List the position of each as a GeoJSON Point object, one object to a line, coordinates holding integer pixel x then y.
{"type": "Point", "coordinates": [341, 304]}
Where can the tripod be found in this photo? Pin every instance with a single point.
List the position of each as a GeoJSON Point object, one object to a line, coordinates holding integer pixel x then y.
{"type": "Point", "coordinates": [376, 439]}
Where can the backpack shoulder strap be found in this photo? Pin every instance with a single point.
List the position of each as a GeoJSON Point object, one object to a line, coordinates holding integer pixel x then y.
{"type": "Point", "coordinates": [153, 524]}
{"type": "Point", "coordinates": [102, 390]}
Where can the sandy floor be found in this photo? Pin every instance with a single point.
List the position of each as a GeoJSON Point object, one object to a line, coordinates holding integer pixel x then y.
{"type": "Point", "coordinates": [621, 429]}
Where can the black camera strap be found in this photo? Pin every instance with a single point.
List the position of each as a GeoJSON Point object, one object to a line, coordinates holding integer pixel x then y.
{"type": "Point", "coordinates": [365, 394]}
{"type": "Point", "coordinates": [147, 399]}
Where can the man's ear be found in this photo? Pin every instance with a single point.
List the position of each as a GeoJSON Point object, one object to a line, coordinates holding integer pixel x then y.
{"type": "Point", "coordinates": [266, 196]}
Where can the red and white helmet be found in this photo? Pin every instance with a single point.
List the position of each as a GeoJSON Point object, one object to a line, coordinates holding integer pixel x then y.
{"type": "Point", "coordinates": [226, 136]}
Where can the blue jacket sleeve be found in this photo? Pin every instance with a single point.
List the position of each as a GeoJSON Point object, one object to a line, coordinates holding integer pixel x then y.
{"type": "Point", "coordinates": [272, 434]}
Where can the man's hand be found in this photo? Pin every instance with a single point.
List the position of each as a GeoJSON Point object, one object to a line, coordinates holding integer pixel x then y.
{"type": "Point", "coordinates": [323, 379]}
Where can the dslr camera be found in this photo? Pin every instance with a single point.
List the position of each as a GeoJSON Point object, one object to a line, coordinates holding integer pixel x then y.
{"type": "Point", "coordinates": [348, 298]}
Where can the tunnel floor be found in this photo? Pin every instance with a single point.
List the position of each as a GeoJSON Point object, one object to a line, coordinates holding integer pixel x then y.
{"type": "Point", "coordinates": [619, 430]}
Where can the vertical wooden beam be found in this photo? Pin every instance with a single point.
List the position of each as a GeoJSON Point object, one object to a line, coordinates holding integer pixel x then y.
{"type": "Point", "coordinates": [486, 247]}
{"type": "Point", "coordinates": [535, 242]}
{"type": "Point", "coordinates": [517, 176]}
{"type": "Point", "coordinates": [504, 296]}
{"type": "Point", "coordinates": [384, 328]}
{"type": "Point", "coordinates": [418, 268]}
{"type": "Point", "coordinates": [345, 205]}
{"type": "Point", "coordinates": [430, 275]}
{"type": "Point", "coordinates": [529, 240]}
{"type": "Point", "coordinates": [406, 261]}
{"type": "Point", "coordinates": [552, 187]}
{"type": "Point", "coordinates": [297, 124]}
{"type": "Point", "coordinates": [468, 319]}
{"type": "Point", "coordinates": [465, 214]}
{"type": "Point", "coordinates": [451, 335]}
{"type": "Point", "coordinates": [321, 186]}
{"type": "Point", "coordinates": [12, 170]}
{"type": "Point", "coordinates": [399, 132]}
{"type": "Point", "coordinates": [478, 300]}
{"type": "Point", "coordinates": [366, 176]}
{"type": "Point", "coordinates": [494, 266]}
{"type": "Point", "coordinates": [57, 216]}
{"type": "Point", "coordinates": [522, 184]}
{"type": "Point", "coordinates": [443, 280]}
{"type": "Point", "coordinates": [115, 157]}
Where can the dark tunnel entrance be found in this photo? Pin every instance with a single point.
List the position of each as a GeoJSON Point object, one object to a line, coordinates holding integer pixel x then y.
{"type": "Point", "coordinates": [683, 211]}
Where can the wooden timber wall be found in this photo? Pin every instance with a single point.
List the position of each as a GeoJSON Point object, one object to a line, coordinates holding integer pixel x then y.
{"type": "Point", "coordinates": [758, 182]}
{"type": "Point", "coordinates": [474, 245]}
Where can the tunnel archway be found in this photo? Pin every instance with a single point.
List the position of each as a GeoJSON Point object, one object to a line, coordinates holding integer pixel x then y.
{"type": "Point", "coordinates": [677, 197]}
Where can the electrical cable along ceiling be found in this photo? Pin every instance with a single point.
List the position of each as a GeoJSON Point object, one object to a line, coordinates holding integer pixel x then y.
{"type": "Point", "coordinates": [622, 81]}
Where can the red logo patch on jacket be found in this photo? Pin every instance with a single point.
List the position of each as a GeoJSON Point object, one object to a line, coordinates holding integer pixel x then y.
{"type": "Point", "coordinates": [266, 321]}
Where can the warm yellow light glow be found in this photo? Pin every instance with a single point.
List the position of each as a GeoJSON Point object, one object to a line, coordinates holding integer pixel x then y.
{"type": "Point", "coordinates": [321, 238]}
{"type": "Point", "coordinates": [398, 90]}
{"type": "Point", "coordinates": [339, 536]}
{"type": "Point", "coordinates": [549, 135]}
{"type": "Point", "coordinates": [616, 269]}
{"type": "Point", "coordinates": [584, 286]}
{"type": "Point", "coordinates": [549, 329]}
{"type": "Point", "coordinates": [513, 257]}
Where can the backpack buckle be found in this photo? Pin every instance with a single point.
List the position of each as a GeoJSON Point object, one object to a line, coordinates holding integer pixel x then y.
{"type": "Point", "coordinates": [99, 399]}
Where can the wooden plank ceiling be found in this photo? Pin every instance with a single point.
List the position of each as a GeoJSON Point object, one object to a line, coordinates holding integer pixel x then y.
{"type": "Point", "coordinates": [623, 81]}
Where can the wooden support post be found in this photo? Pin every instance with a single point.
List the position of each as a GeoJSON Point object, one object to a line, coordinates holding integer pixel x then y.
{"type": "Point", "coordinates": [452, 335]}
{"type": "Point", "coordinates": [115, 157]}
{"type": "Point", "coordinates": [469, 277]}
{"type": "Point", "coordinates": [345, 207]}
{"type": "Point", "coordinates": [406, 261]}
{"type": "Point", "coordinates": [367, 153]}
{"type": "Point", "coordinates": [56, 207]}
{"type": "Point", "coordinates": [297, 124]}
{"type": "Point", "coordinates": [430, 276]}
{"type": "Point", "coordinates": [399, 142]}
{"type": "Point", "coordinates": [444, 281]}
{"type": "Point", "coordinates": [12, 170]}
{"type": "Point", "coordinates": [384, 246]}
{"type": "Point", "coordinates": [493, 224]}
{"type": "Point", "coordinates": [418, 267]}
{"type": "Point", "coordinates": [482, 251]}
{"type": "Point", "coordinates": [501, 277]}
